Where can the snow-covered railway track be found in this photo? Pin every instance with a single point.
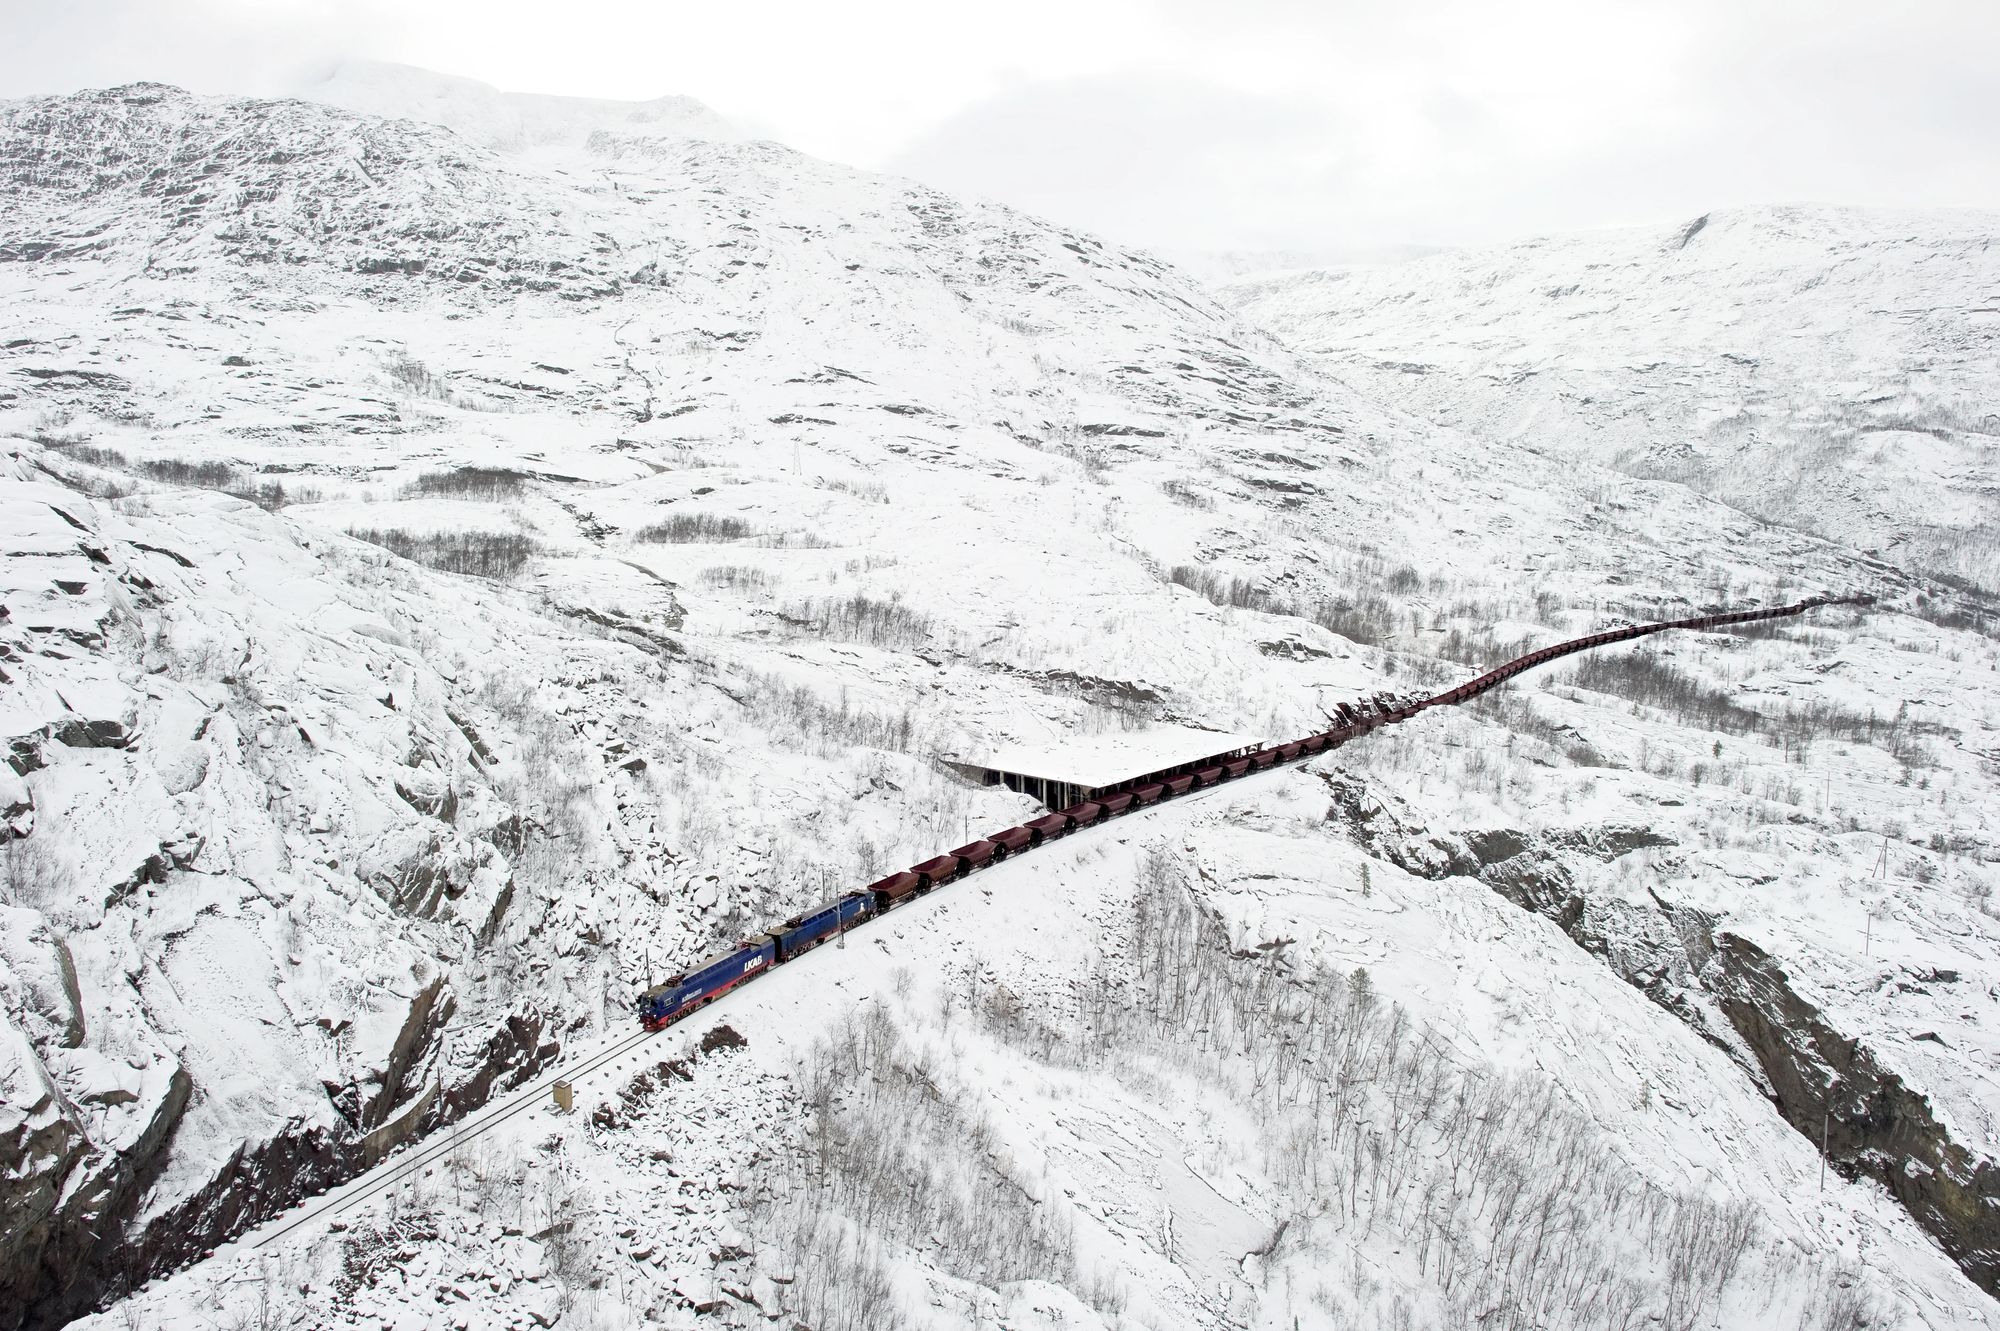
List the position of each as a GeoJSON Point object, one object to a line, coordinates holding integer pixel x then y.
{"type": "Point", "coordinates": [734, 970]}
{"type": "Point", "coordinates": [398, 1168]}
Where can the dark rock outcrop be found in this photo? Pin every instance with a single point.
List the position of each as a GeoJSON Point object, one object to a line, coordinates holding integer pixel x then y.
{"type": "Point", "coordinates": [75, 1270]}
{"type": "Point", "coordinates": [1833, 1088]}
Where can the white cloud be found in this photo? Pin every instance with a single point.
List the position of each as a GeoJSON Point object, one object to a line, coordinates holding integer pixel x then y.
{"type": "Point", "coordinates": [1453, 121]}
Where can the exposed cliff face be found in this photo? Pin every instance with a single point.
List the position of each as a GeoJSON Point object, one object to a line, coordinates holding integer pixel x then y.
{"type": "Point", "coordinates": [1829, 1084]}
{"type": "Point", "coordinates": [51, 1261]}
{"type": "Point", "coordinates": [76, 1227]}
{"type": "Point", "coordinates": [1836, 1090]}
{"type": "Point", "coordinates": [72, 1274]}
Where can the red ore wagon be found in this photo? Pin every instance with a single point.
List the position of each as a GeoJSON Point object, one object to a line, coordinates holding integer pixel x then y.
{"type": "Point", "coordinates": [1012, 841]}
{"type": "Point", "coordinates": [937, 872]}
{"type": "Point", "coordinates": [1048, 827]}
{"type": "Point", "coordinates": [977, 855]}
{"type": "Point", "coordinates": [895, 888]}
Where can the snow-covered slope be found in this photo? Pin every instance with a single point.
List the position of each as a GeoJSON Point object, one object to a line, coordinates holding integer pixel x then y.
{"type": "Point", "coordinates": [737, 488]}
{"type": "Point", "coordinates": [1831, 368]}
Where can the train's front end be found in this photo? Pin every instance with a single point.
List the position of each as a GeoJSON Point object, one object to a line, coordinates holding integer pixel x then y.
{"type": "Point", "coordinates": [658, 1004]}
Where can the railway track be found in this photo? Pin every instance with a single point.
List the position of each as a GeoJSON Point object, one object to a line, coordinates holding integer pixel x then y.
{"type": "Point", "coordinates": [399, 1168]}
{"type": "Point", "coordinates": [415, 1161]}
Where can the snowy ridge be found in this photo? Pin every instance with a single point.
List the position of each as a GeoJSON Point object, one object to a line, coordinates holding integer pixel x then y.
{"type": "Point", "coordinates": [1832, 368]}
{"type": "Point", "coordinates": [509, 122]}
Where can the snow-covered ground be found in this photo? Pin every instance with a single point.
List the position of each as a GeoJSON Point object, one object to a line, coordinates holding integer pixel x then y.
{"type": "Point", "coordinates": [736, 487]}
{"type": "Point", "coordinates": [1125, 1178]}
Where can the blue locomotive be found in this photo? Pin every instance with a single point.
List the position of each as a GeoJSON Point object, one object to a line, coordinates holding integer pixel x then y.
{"type": "Point", "coordinates": [709, 980]}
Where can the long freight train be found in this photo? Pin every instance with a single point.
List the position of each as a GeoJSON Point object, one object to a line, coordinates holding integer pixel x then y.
{"type": "Point", "coordinates": [702, 984]}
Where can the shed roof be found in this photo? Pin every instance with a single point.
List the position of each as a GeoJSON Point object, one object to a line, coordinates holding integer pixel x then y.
{"type": "Point", "coordinates": [1093, 761]}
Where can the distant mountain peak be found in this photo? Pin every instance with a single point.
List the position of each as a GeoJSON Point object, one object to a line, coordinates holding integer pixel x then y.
{"type": "Point", "coordinates": [506, 121]}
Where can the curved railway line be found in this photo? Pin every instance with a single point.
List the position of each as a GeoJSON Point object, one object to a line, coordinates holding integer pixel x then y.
{"type": "Point", "coordinates": [942, 869]}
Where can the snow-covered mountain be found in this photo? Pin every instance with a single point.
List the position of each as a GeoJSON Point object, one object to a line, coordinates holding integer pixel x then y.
{"type": "Point", "coordinates": [447, 590]}
{"type": "Point", "coordinates": [1834, 369]}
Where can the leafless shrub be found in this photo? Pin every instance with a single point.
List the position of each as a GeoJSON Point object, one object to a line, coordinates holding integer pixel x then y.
{"type": "Point", "coordinates": [797, 540]}
{"type": "Point", "coordinates": [693, 529]}
{"type": "Point", "coordinates": [798, 715]}
{"type": "Point", "coordinates": [483, 554]}
{"type": "Point", "coordinates": [1364, 619]}
{"type": "Point", "coordinates": [415, 379]}
{"type": "Point", "coordinates": [1186, 495]}
{"type": "Point", "coordinates": [1220, 590]}
{"type": "Point", "coordinates": [1644, 678]}
{"type": "Point", "coordinates": [568, 1254]}
{"type": "Point", "coordinates": [370, 1248]}
{"type": "Point", "coordinates": [32, 871]}
{"type": "Point", "coordinates": [1479, 647]}
{"type": "Point", "coordinates": [873, 492]}
{"type": "Point", "coordinates": [841, 1281]}
{"type": "Point", "coordinates": [59, 429]}
{"type": "Point", "coordinates": [1841, 1302]}
{"type": "Point", "coordinates": [737, 577]}
{"type": "Point", "coordinates": [895, 1150]}
{"type": "Point", "coordinates": [1517, 712]}
{"type": "Point", "coordinates": [105, 487]}
{"type": "Point", "coordinates": [275, 495]}
{"type": "Point", "coordinates": [489, 484]}
{"type": "Point", "coordinates": [861, 618]}
{"type": "Point", "coordinates": [203, 475]}
{"type": "Point", "coordinates": [412, 376]}
{"type": "Point", "coordinates": [211, 474]}
{"type": "Point", "coordinates": [89, 454]}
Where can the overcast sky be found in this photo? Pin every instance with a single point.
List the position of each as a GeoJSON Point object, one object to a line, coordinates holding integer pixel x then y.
{"type": "Point", "coordinates": [1324, 125]}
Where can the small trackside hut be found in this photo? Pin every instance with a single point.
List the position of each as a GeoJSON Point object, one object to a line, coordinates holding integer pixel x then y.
{"type": "Point", "coordinates": [1094, 768]}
